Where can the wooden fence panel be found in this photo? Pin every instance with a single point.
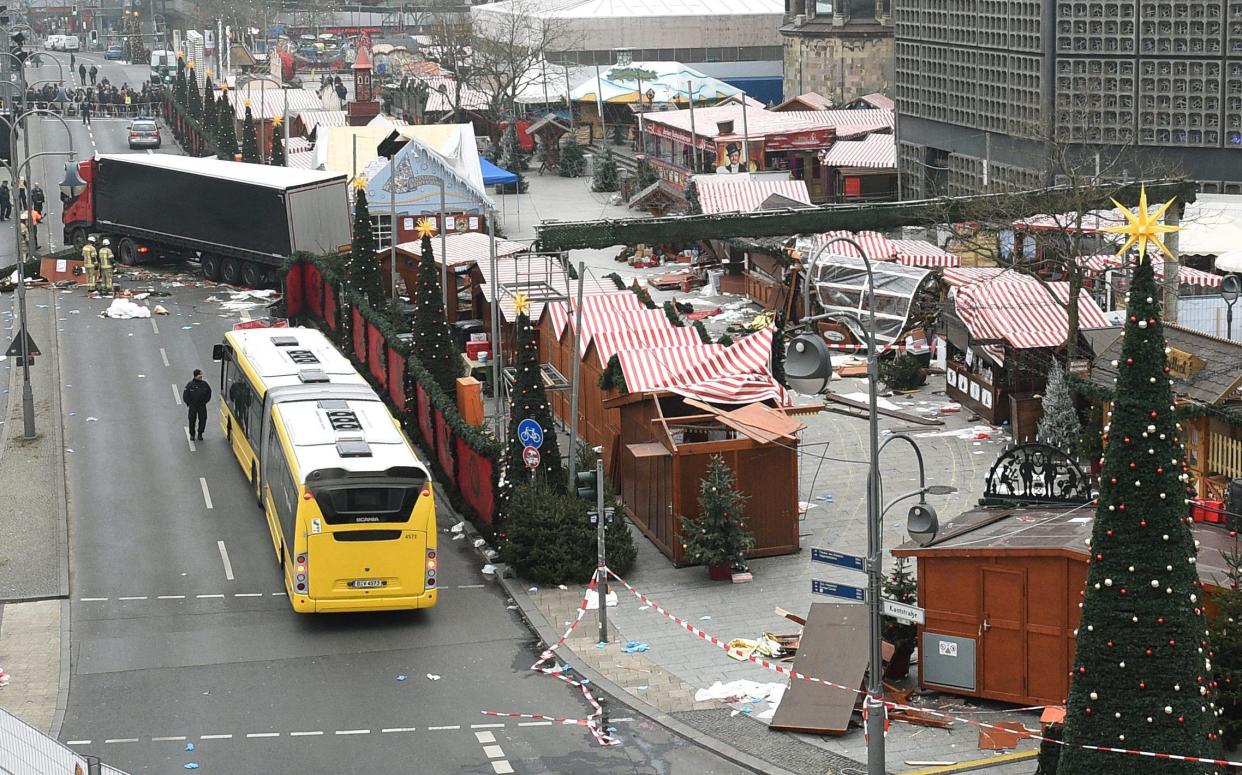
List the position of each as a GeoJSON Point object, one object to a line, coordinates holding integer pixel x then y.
{"type": "Point", "coordinates": [376, 350]}
{"type": "Point", "coordinates": [396, 379]}
{"type": "Point", "coordinates": [476, 482]}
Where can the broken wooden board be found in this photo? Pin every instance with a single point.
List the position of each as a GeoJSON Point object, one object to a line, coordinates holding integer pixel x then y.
{"type": "Point", "coordinates": [834, 648]}
{"type": "Point", "coordinates": [1003, 738]}
{"type": "Point", "coordinates": [903, 416]}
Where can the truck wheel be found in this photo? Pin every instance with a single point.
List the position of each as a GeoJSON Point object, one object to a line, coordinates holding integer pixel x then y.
{"type": "Point", "coordinates": [127, 251]}
{"type": "Point", "coordinates": [211, 267]}
{"type": "Point", "coordinates": [78, 238]}
{"type": "Point", "coordinates": [252, 275]}
{"type": "Point", "coordinates": [230, 271]}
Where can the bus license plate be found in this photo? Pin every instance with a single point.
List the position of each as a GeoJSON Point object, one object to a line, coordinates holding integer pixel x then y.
{"type": "Point", "coordinates": [366, 583]}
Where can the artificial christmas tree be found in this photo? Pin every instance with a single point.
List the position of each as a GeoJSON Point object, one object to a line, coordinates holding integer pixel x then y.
{"type": "Point", "coordinates": [693, 206]}
{"type": "Point", "coordinates": [528, 401]}
{"type": "Point", "coordinates": [1226, 640]}
{"type": "Point", "coordinates": [645, 175]}
{"type": "Point", "coordinates": [277, 159]}
{"type": "Point", "coordinates": [778, 349]}
{"type": "Point", "coordinates": [250, 139]}
{"type": "Point", "coordinates": [904, 588]}
{"type": "Point", "coordinates": [194, 99]}
{"type": "Point", "coordinates": [433, 342]}
{"type": "Point", "coordinates": [226, 135]}
{"type": "Point", "coordinates": [362, 268]}
{"type": "Point", "coordinates": [606, 177]}
{"type": "Point", "coordinates": [511, 156]}
{"type": "Point", "coordinates": [1059, 427]}
{"type": "Point", "coordinates": [180, 86]}
{"type": "Point", "coordinates": [718, 537]}
{"type": "Point", "coordinates": [210, 113]}
{"type": "Point", "coordinates": [572, 162]}
{"type": "Point", "coordinates": [1142, 672]}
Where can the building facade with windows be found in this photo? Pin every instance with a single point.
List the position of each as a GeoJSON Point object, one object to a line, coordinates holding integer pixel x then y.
{"type": "Point", "coordinates": [842, 49]}
{"type": "Point", "coordinates": [984, 87]}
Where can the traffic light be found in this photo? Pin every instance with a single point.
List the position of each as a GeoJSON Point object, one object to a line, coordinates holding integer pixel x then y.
{"type": "Point", "coordinates": [587, 485]}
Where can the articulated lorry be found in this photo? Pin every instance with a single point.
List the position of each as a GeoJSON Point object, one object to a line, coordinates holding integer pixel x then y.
{"type": "Point", "coordinates": [240, 220]}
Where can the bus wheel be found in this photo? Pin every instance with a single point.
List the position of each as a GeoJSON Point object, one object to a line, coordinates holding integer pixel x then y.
{"type": "Point", "coordinates": [252, 275]}
{"type": "Point", "coordinates": [230, 271]}
{"type": "Point", "coordinates": [127, 251]}
{"type": "Point", "coordinates": [211, 267]}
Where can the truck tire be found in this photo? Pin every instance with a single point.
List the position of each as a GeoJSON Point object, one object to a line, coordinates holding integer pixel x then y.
{"type": "Point", "coordinates": [127, 251]}
{"type": "Point", "coordinates": [77, 237]}
{"type": "Point", "coordinates": [252, 275]}
{"type": "Point", "coordinates": [230, 271]}
{"type": "Point", "coordinates": [211, 267]}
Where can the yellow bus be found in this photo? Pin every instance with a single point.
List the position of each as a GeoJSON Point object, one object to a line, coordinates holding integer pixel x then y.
{"type": "Point", "coordinates": [349, 505]}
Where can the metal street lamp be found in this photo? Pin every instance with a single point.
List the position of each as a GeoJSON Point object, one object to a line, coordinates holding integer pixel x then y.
{"type": "Point", "coordinates": [1230, 288]}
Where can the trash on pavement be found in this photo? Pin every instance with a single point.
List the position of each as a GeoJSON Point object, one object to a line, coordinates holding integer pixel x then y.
{"type": "Point", "coordinates": [592, 599]}
{"type": "Point", "coordinates": [433, 677]}
{"type": "Point", "coordinates": [401, 677]}
{"type": "Point", "coordinates": [191, 765]}
{"type": "Point", "coordinates": [478, 542]}
{"type": "Point", "coordinates": [458, 528]}
{"type": "Point", "coordinates": [4, 677]}
{"type": "Point", "coordinates": [635, 647]}
{"type": "Point", "coordinates": [159, 310]}
{"type": "Point", "coordinates": [740, 691]}
{"type": "Point", "coordinates": [489, 570]}
{"type": "Point", "coordinates": [189, 746]}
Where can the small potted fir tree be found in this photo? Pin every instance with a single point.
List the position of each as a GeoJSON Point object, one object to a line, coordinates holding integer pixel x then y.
{"type": "Point", "coordinates": [718, 537]}
{"type": "Point", "coordinates": [902, 587]}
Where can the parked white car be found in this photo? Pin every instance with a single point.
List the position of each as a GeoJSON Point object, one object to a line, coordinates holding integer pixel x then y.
{"type": "Point", "coordinates": [54, 42]}
{"type": "Point", "coordinates": [70, 43]}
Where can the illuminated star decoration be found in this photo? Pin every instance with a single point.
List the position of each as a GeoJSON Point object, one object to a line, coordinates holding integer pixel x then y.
{"type": "Point", "coordinates": [521, 303]}
{"type": "Point", "coordinates": [425, 228]}
{"type": "Point", "coordinates": [360, 182]}
{"type": "Point", "coordinates": [1144, 227]}
{"type": "Point", "coordinates": [277, 120]}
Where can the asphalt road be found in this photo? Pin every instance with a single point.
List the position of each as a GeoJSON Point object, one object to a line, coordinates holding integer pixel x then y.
{"type": "Point", "coordinates": [180, 631]}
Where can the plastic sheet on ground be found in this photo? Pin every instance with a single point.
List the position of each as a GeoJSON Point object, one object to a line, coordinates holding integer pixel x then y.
{"type": "Point", "coordinates": [592, 599]}
{"type": "Point", "coordinates": [124, 309]}
{"type": "Point", "coordinates": [973, 433]}
{"type": "Point", "coordinates": [740, 691]}
{"type": "Point", "coordinates": [880, 403]}
{"type": "Point", "coordinates": [635, 647]}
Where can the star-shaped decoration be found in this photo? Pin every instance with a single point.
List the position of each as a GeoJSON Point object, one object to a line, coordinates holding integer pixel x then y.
{"type": "Point", "coordinates": [190, 65]}
{"type": "Point", "coordinates": [1144, 227]}
{"type": "Point", "coordinates": [246, 102]}
{"type": "Point", "coordinates": [360, 182]}
{"type": "Point", "coordinates": [521, 303]}
{"type": "Point", "coordinates": [277, 120]}
{"type": "Point", "coordinates": [425, 228]}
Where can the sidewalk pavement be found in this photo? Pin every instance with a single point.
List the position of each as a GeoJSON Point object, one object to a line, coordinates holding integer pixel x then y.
{"type": "Point", "coordinates": [34, 559]}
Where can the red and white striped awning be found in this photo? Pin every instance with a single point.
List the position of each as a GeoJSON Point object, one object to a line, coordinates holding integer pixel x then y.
{"type": "Point", "coordinates": [737, 374]}
{"type": "Point", "coordinates": [915, 252]}
{"type": "Point", "coordinates": [877, 246]}
{"type": "Point", "coordinates": [598, 307]}
{"type": "Point", "coordinates": [1185, 275]}
{"type": "Point", "coordinates": [651, 369]}
{"type": "Point", "coordinates": [1023, 313]}
{"type": "Point", "coordinates": [610, 343]}
{"type": "Point", "coordinates": [967, 275]}
{"type": "Point", "coordinates": [744, 194]}
{"type": "Point", "coordinates": [876, 151]}
{"type": "Point", "coordinates": [470, 247]}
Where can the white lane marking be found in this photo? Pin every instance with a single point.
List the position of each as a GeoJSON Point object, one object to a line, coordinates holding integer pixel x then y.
{"type": "Point", "coordinates": [215, 737]}
{"type": "Point", "coordinates": [442, 729]}
{"type": "Point", "coordinates": [353, 732]}
{"type": "Point", "coordinates": [189, 439]}
{"type": "Point", "coordinates": [305, 734]}
{"type": "Point", "coordinates": [164, 357]}
{"type": "Point", "coordinates": [202, 480]}
{"type": "Point", "coordinates": [263, 734]}
{"type": "Point", "coordinates": [619, 720]}
{"type": "Point", "coordinates": [245, 314]}
{"type": "Point", "coordinates": [485, 737]}
{"type": "Point", "coordinates": [167, 739]}
{"type": "Point", "coordinates": [247, 594]}
{"type": "Point", "coordinates": [122, 740]}
{"type": "Point", "coordinates": [534, 723]}
{"type": "Point", "coordinates": [154, 327]}
{"type": "Point", "coordinates": [133, 597]}
{"type": "Point", "coordinates": [92, 599]}
{"type": "Point", "coordinates": [470, 586]}
{"type": "Point", "coordinates": [176, 394]}
{"type": "Point", "coordinates": [502, 767]}
{"type": "Point", "coordinates": [224, 553]}
{"type": "Point", "coordinates": [77, 742]}
{"type": "Point", "coordinates": [171, 597]}
{"type": "Point", "coordinates": [398, 729]}
{"type": "Point", "coordinates": [493, 752]}
{"type": "Point", "coordinates": [487, 726]}
{"type": "Point", "coordinates": [204, 597]}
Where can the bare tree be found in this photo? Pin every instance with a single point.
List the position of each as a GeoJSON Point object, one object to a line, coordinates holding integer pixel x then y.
{"type": "Point", "coordinates": [1068, 235]}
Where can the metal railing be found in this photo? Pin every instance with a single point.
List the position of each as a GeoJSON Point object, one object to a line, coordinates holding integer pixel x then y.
{"type": "Point", "coordinates": [26, 750]}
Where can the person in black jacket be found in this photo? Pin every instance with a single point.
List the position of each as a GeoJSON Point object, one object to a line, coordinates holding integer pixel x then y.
{"type": "Point", "coordinates": [197, 395]}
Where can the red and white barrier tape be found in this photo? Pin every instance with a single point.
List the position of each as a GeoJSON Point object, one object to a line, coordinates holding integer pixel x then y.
{"type": "Point", "coordinates": [591, 722]}
{"type": "Point", "coordinates": [568, 722]}
{"type": "Point", "coordinates": [890, 706]}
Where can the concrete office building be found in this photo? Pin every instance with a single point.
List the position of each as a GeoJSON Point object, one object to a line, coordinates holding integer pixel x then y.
{"type": "Point", "coordinates": [981, 84]}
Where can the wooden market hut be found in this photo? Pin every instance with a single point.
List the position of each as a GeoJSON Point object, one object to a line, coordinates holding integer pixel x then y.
{"type": "Point", "coordinates": [1000, 587]}
{"type": "Point", "coordinates": [1207, 380]}
{"type": "Point", "coordinates": [1003, 332]}
{"type": "Point", "coordinates": [465, 252]}
{"type": "Point", "coordinates": [666, 442]}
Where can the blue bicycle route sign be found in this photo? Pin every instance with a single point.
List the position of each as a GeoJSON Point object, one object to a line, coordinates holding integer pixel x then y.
{"type": "Point", "coordinates": [530, 434]}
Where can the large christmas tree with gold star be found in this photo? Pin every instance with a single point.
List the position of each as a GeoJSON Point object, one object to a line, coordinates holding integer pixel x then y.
{"type": "Point", "coordinates": [1142, 671]}
{"type": "Point", "coordinates": [433, 342]}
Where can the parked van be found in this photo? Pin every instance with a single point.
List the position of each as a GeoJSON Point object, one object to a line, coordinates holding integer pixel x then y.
{"type": "Point", "coordinates": [70, 43]}
{"type": "Point", "coordinates": [54, 42]}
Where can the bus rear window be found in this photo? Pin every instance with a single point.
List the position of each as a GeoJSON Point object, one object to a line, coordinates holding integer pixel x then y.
{"type": "Point", "coordinates": [367, 504]}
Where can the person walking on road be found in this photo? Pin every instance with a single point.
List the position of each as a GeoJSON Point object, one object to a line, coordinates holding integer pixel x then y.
{"type": "Point", "coordinates": [22, 203]}
{"type": "Point", "coordinates": [86, 110]}
{"type": "Point", "coordinates": [6, 201]}
{"type": "Point", "coordinates": [73, 60]}
{"type": "Point", "coordinates": [82, 73]}
{"type": "Point", "coordinates": [37, 199]}
{"type": "Point", "coordinates": [90, 262]}
{"type": "Point", "coordinates": [105, 268]}
{"type": "Point", "coordinates": [94, 71]}
{"type": "Point", "coordinates": [197, 395]}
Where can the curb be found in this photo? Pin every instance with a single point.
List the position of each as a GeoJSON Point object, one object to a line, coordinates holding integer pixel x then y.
{"type": "Point", "coordinates": [539, 625]}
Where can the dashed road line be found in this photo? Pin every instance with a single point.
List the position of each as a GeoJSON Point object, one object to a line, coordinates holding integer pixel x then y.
{"type": "Point", "coordinates": [202, 480]}
{"type": "Point", "coordinates": [352, 732]}
{"type": "Point", "coordinates": [215, 737]}
{"type": "Point", "coordinates": [502, 767]}
{"type": "Point", "coordinates": [487, 726]}
{"type": "Point", "coordinates": [133, 597]}
{"type": "Point", "coordinates": [443, 729]}
{"type": "Point", "coordinates": [306, 734]}
{"type": "Point", "coordinates": [485, 737]}
{"type": "Point", "coordinates": [173, 739]}
{"type": "Point", "coordinates": [189, 438]}
{"type": "Point", "coordinates": [262, 734]}
{"type": "Point", "coordinates": [160, 597]}
{"type": "Point", "coordinates": [154, 326]}
{"type": "Point", "coordinates": [164, 358]}
{"type": "Point", "coordinates": [398, 729]}
{"type": "Point", "coordinates": [493, 752]}
{"type": "Point", "coordinates": [121, 740]}
{"type": "Point", "coordinates": [224, 554]}
{"type": "Point", "coordinates": [177, 397]}
{"type": "Point", "coordinates": [534, 723]}
{"type": "Point", "coordinates": [209, 597]}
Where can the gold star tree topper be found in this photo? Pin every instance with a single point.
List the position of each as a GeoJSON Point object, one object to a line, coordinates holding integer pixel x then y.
{"type": "Point", "coordinates": [360, 182]}
{"type": "Point", "coordinates": [1144, 227]}
{"type": "Point", "coordinates": [521, 303]}
{"type": "Point", "coordinates": [425, 228]}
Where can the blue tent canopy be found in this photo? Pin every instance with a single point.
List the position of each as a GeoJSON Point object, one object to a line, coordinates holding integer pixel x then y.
{"type": "Point", "coordinates": [495, 176]}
